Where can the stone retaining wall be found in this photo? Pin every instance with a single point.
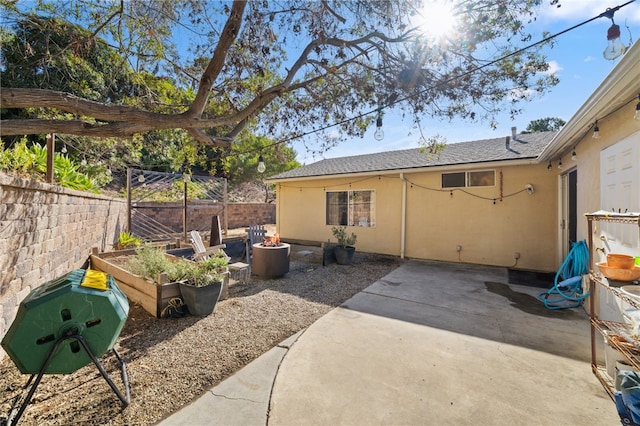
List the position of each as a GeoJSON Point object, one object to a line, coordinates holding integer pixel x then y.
{"type": "Point", "coordinates": [47, 231]}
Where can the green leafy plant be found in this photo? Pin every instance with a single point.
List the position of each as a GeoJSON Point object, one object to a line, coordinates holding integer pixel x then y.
{"type": "Point", "coordinates": [149, 262]}
{"type": "Point", "coordinates": [31, 162]}
{"type": "Point", "coordinates": [344, 240]}
{"type": "Point", "coordinates": [208, 271]}
{"type": "Point", "coordinates": [127, 240]}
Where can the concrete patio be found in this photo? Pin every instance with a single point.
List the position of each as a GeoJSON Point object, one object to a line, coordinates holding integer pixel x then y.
{"type": "Point", "coordinates": [431, 343]}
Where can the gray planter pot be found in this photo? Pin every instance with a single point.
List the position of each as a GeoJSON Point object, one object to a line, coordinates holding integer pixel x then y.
{"type": "Point", "coordinates": [344, 255]}
{"type": "Point", "coordinates": [201, 300]}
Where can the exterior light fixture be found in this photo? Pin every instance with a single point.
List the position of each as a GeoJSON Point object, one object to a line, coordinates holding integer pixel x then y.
{"type": "Point", "coordinates": [560, 164]}
{"type": "Point", "coordinates": [637, 114]}
{"type": "Point", "coordinates": [596, 131]}
{"type": "Point", "coordinates": [574, 156]}
{"type": "Point", "coordinates": [379, 134]}
{"type": "Point", "coordinates": [261, 166]}
{"type": "Point", "coordinates": [529, 188]}
{"type": "Point", "coordinates": [615, 47]}
{"type": "Point", "coordinates": [549, 166]}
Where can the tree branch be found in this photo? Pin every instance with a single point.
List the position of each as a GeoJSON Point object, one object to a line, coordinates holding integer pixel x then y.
{"type": "Point", "coordinates": [132, 118]}
{"type": "Point", "coordinates": [227, 37]}
{"type": "Point", "coordinates": [206, 139]}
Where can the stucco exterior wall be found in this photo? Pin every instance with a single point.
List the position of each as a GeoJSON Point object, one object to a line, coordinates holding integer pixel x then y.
{"type": "Point", "coordinates": [489, 229]}
{"type": "Point", "coordinates": [300, 212]}
{"type": "Point", "coordinates": [437, 221]}
{"type": "Point", "coordinates": [613, 129]}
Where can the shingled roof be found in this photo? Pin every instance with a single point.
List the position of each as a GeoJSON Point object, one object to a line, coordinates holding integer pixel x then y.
{"type": "Point", "coordinates": [524, 146]}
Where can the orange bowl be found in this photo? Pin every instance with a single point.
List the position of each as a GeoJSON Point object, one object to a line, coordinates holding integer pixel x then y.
{"type": "Point", "coordinates": [619, 274]}
{"type": "Point", "coordinates": [620, 261]}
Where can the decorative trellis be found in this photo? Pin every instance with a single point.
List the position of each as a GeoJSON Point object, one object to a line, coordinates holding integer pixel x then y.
{"type": "Point", "coordinates": [156, 198]}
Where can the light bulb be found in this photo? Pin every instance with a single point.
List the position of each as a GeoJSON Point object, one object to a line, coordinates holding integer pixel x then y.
{"type": "Point", "coordinates": [261, 166]}
{"type": "Point", "coordinates": [637, 114]}
{"type": "Point", "coordinates": [560, 164]}
{"type": "Point", "coordinates": [615, 47]}
{"type": "Point", "coordinates": [549, 166]}
{"type": "Point", "coordinates": [596, 132]}
{"type": "Point", "coordinates": [141, 177]}
{"type": "Point", "coordinates": [574, 156]}
{"type": "Point", "coordinates": [379, 134]}
{"type": "Point", "coordinates": [64, 149]}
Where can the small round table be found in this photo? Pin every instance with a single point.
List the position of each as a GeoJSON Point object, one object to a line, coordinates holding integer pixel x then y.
{"type": "Point", "coordinates": [270, 261]}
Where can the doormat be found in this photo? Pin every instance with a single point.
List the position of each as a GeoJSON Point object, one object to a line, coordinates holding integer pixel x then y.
{"type": "Point", "coordinates": [531, 278]}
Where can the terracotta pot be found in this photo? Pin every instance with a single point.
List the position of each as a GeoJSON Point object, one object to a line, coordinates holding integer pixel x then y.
{"type": "Point", "coordinates": [620, 261]}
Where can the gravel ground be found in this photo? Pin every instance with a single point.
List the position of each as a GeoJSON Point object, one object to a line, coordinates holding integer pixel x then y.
{"type": "Point", "coordinates": [171, 362]}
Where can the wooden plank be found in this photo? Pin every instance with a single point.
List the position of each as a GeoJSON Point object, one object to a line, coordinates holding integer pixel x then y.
{"type": "Point", "coordinates": [168, 292]}
{"type": "Point", "coordinates": [135, 288]}
{"type": "Point", "coordinates": [134, 281]}
{"type": "Point", "coordinates": [147, 303]}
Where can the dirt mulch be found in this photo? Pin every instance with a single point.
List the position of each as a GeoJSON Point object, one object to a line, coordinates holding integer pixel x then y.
{"type": "Point", "coordinates": [171, 362]}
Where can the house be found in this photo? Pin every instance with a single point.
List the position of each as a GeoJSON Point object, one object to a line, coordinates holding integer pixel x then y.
{"type": "Point", "coordinates": [476, 202]}
{"type": "Point", "coordinates": [516, 201]}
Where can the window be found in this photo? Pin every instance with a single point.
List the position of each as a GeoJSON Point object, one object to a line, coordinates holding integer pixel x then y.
{"type": "Point", "coordinates": [351, 208]}
{"type": "Point", "coordinates": [463, 179]}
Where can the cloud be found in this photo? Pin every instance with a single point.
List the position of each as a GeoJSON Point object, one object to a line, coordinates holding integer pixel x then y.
{"type": "Point", "coordinates": [554, 67]}
{"type": "Point", "coordinates": [589, 58]}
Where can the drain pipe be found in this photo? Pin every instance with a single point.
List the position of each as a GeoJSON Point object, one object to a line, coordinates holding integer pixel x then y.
{"type": "Point", "coordinates": [403, 219]}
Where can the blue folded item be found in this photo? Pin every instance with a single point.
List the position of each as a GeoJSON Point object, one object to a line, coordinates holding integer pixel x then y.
{"type": "Point", "coordinates": [630, 395]}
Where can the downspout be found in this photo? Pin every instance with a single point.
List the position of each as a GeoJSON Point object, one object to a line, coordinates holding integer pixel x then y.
{"type": "Point", "coordinates": [403, 219]}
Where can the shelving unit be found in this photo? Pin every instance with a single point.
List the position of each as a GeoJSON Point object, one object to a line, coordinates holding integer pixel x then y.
{"type": "Point", "coordinates": [618, 335]}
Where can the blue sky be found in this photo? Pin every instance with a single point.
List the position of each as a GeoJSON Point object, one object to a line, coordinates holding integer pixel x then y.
{"type": "Point", "coordinates": [576, 58]}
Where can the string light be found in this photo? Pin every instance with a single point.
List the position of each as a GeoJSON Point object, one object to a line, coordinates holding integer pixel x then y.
{"type": "Point", "coordinates": [596, 131]}
{"type": "Point", "coordinates": [549, 166]}
{"type": "Point", "coordinates": [574, 156]}
{"type": "Point", "coordinates": [261, 166]}
{"type": "Point", "coordinates": [560, 164]}
{"type": "Point", "coordinates": [379, 134]}
{"type": "Point", "coordinates": [615, 47]}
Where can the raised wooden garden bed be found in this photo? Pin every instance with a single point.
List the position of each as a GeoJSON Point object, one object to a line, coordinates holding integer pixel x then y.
{"type": "Point", "coordinates": [153, 297]}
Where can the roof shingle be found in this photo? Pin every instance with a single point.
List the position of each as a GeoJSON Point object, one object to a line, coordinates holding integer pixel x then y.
{"type": "Point", "coordinates": [524, 146]}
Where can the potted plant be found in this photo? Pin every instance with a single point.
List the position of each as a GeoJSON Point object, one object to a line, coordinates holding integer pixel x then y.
{"type": "Point", "coordinates": [346, 245]}
{"type": "Point", "coordinates": [203, 283]}
{"type": "Point", "coordinates": [200, 283]}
